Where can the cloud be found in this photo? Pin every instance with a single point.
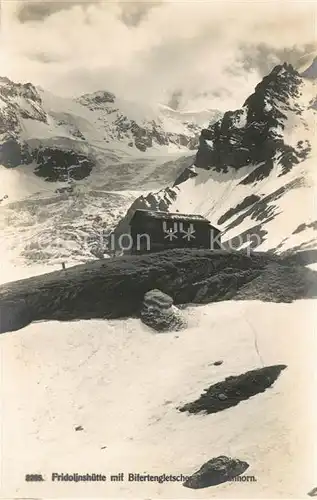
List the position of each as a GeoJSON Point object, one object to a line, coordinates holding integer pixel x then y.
{"type": "Point", "coordinates": [263, 57]}
{"type": "Point", "coordinates": [132, 13]}
{"type": "Point", "coordinates": [39, 11]}
{"type": "Point", "coordinates": [212, 53]}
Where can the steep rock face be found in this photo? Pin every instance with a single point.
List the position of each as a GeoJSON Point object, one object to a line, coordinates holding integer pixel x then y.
{"type": "Point", "coordinates": [17, 102]}
{"type": "Point", "coordinates": [254, 133]}
{"type": "Point", "coordinates": [21, 108]}
{"type": "Point", "coordinates": [57, 165]}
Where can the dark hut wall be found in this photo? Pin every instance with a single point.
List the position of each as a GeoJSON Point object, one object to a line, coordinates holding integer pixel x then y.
{"type": "Point", "coordinates": [150, 234]}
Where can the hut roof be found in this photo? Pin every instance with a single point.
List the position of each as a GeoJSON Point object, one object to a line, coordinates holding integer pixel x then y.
{"type": "Point", "coordinates": [153, 214]}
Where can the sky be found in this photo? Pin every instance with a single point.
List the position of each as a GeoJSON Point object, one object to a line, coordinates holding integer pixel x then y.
{"type": "Point", "coordinates": [182, 53]}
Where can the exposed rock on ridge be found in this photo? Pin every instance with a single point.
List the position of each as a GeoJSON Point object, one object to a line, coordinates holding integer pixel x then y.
{"type": "Point", "coordinates": [254, 133]}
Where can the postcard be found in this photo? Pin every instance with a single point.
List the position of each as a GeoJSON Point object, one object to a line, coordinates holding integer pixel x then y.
{"type": "Point", "coordinates": [158, 265]}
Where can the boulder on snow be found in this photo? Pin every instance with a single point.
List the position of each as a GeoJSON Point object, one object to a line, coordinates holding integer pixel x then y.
{"type": "Point", "coordinates": [218, 363]}
{"type": "Point", "coordinates": [159, 313]}
{"type": "Point", "coordinates": [216, 471]}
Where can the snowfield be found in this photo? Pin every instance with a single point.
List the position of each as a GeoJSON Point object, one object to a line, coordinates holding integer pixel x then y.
{"type": "Point", "coordinates": [214, 194]}
{"type": "Point", "coordinates": [123, 383]}
{"type": "Point", "coordinates": [41, 224]}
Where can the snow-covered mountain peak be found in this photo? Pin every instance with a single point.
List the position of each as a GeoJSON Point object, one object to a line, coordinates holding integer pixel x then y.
{"type": "Point", "coordinates": [262, 129]}
{"type": "Point", "coordinates": [18, 101]}
{"type": "Point", "coordinates": [144, 125]}
{"type": "Point", "coordinates": [97, 98]}
{"type": "Point", "coordinates": [64, 138]}
{"type": "Point", "coordinates": [279, 86]}
{"type": "Point", "coordinates": [10, 90]}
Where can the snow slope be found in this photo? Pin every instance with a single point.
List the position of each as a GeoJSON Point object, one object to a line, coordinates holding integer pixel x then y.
{"type": "Point", "coordinates": [104, 377]}
{"type": "Point", "coordinates": [214, 194]}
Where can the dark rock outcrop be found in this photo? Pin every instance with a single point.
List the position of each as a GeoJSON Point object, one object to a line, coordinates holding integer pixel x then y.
{"type": "Point", "coordinates": [52, 163]}
{"type": "Point", "coordinates": [313, 492]}
{"type": "Point", "coordinates": [233, 390]}
{"type": "Point", "coordinates": [246, 203]}
{"type": "Point", "coordinates": [23, 102]}
{"type": "Point", "coordinates": [14, 315]}
{"type": "Point", "coordinates": [218, 363]}
{"type": "Point", "coordinates": [11, 153]}
{"type": "Point", "coordinates": [55, 164]}
{"type": "Point", "coordinates": [188, 173]}
{"type": "Point", "coordinates": [216, 471]}
{"type": "Point", "coordinates": [98, 98]}
{"type": "Point", "coordinates": [115, 288]}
